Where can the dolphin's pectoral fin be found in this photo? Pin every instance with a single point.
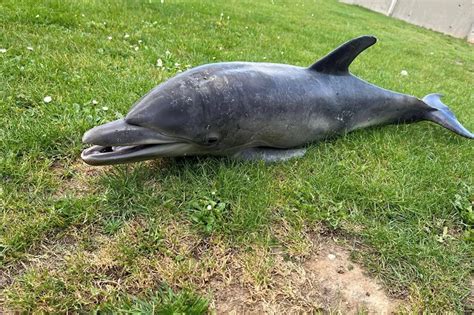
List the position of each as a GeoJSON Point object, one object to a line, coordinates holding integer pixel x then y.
{"type": "Point", "coordinates": [337, 61]}
{"type": "Point", "coordinates": [269, 154]}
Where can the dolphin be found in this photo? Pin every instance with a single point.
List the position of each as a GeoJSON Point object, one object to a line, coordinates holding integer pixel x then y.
{"type": "Point", "coordinates": [252, 111]}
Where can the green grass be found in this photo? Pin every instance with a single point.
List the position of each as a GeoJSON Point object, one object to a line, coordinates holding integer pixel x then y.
{"type": "Point", "coordinates": [72, 238]}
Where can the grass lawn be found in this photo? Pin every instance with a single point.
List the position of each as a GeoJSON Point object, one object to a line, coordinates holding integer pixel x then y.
{"type": "Point", "coordinates": [141, 238]}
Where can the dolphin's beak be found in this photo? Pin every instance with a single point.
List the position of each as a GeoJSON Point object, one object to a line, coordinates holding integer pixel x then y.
{"type": "Point", "coordinates": [119, 142]}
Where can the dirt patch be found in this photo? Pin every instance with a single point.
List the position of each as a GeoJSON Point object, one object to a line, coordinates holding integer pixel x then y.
{"type": "Point", "coordinates": [326, 281]}
{"type": "Point", "coordinates": [347, 288]}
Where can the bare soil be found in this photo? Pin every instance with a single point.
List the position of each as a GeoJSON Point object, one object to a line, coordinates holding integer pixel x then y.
{"type": "Point", "coordinates": [326, 281]}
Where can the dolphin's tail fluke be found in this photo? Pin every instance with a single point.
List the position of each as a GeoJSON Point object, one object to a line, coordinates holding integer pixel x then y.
{"type": "Point", "coordinates": [443, 116]}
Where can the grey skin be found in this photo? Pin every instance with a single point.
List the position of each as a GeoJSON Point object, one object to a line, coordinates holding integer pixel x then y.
{"type": "Point", "coordinates": [258, 111]}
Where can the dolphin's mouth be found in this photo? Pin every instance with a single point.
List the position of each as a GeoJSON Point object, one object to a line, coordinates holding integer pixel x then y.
{"type": "Point", "coordinates": [115, 151]}
{"type": "Point", "coordinates": [119, 142]}
{"type": "Point", "coordinates": [108, 155]}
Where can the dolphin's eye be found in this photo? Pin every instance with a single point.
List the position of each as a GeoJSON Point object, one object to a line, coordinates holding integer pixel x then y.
{"type": "Point", "coordinates": [212, 139]}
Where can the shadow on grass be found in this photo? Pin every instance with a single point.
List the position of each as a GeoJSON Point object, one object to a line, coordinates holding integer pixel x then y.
{"type": "Point", "coordinates": [216, 195]}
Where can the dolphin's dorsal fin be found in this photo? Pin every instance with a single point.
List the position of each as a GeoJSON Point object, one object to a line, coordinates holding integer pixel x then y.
{"type": "Point", "coordinates": [337, 61]}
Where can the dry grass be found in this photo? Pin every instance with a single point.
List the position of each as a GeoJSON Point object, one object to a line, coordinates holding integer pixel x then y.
{"type": "Point", "coordinates": [255, 279]}
{"type": "Point", "coordinates": [77, 178]}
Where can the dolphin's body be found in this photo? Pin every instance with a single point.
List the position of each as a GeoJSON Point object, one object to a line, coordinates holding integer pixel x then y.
{"type": "Point", "coordinates": [258, 111]}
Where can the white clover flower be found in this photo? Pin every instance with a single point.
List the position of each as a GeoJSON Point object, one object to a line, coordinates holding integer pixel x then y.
{"type": "Point", "coordinates": [126, 36]}
{"type": "Point", "coordinates": [109, 37]}
{"type": "Point", "coordinates": [94, 102]}
{"type": "Point", "coordinates": [136, 48]}
{"type": "Point", "coordinates": [209, 207]}
{"type": "Point", "coordinates": [3, 50]}
{"type": "Point", "coordinates": [47, 99]}
{"type": "Point", "coordinates": [30, 48]}
{"type": "Point", "coordinates": [159, 63]}
{"type": "Point", "coordinates": [404, 73]}
{"type": "Point", "coordinates": [105, 108]}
